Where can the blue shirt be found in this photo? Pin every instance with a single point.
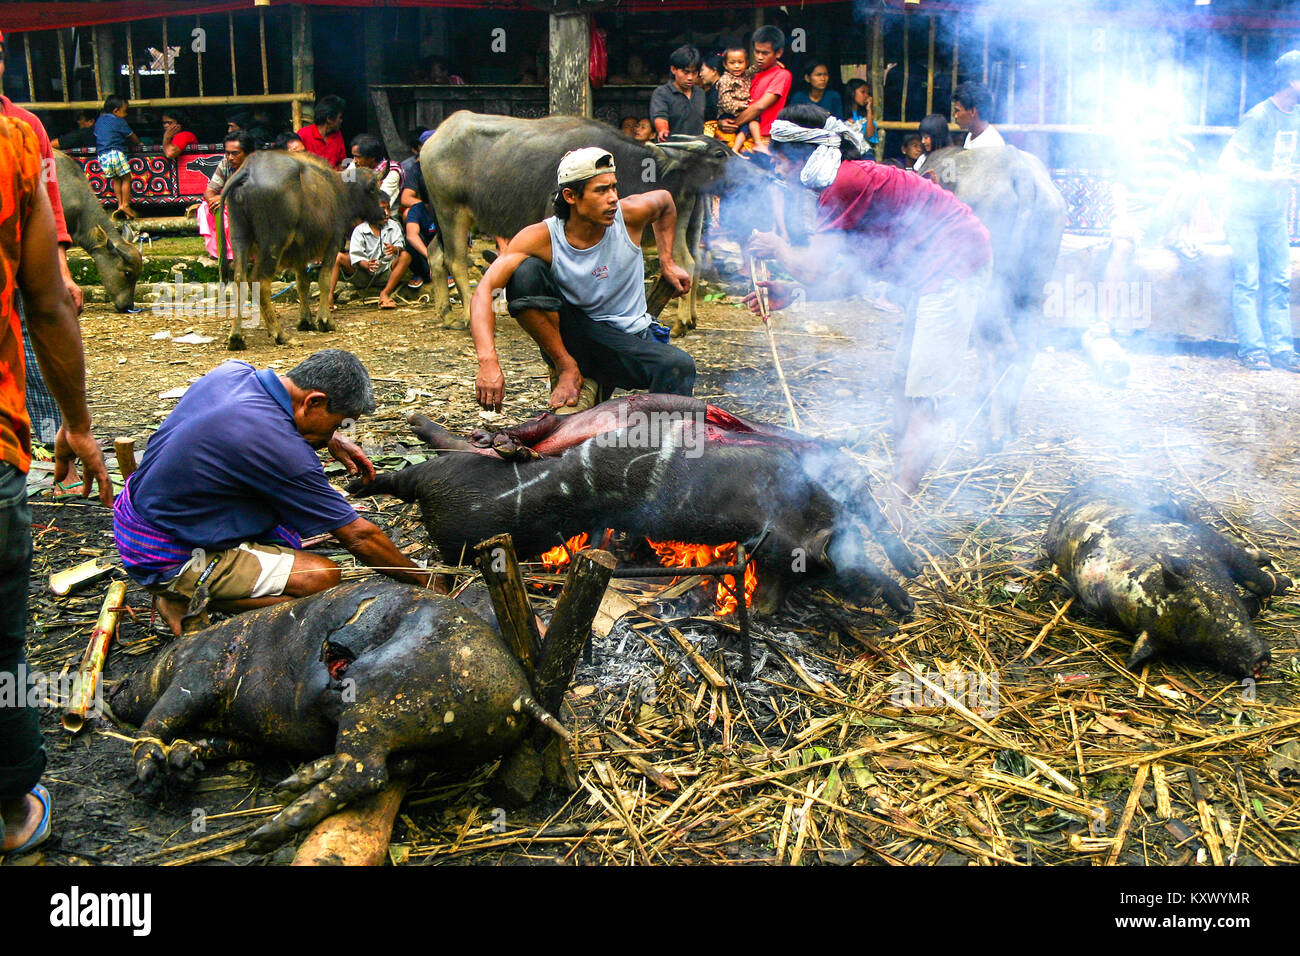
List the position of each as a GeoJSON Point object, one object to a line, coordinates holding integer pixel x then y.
{"type": "Point", "coordinates": [112, 132]}
{"type": "Point", "coordinates": [228, 466]}
{"type": "Point", "coordinates": [830, 102]}
{"type": "Point", "coordinates": [1268, 140]}
{"type": "Point", "coordinates": [422, 216]}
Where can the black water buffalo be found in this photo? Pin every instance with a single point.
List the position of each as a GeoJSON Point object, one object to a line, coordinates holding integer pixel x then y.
{"type": "Point", "coordinates": [1013, 195]}
{"type": "Point", "coordinates": [118, 261]}
{"type": "Point", "coordinates": [499, 172]}
{"type": "Point", "coordinates": [286, 210]}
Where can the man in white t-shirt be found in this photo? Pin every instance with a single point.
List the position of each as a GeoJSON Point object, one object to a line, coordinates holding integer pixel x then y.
{"type": "Point", "coordinates": [971, 103]}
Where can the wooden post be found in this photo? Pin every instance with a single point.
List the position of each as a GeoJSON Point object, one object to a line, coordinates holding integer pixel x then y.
{"type": "Point", "coordinates": [496, 560]}
{"type": "Point", "coordinates": [355, 836]}
{"type": "Point", "coordinates": [167, 74]}
{"type": "Point", "coordinates": [1101, 75]}
{"type": "Point", "coordinates": [1042, 73]}
{"type": "Point", "coordinates": [1241, 102]}
{"type": "Point", "coordinates": [124, 449]}
{"type": "Point", "coordinates": [929, 73]}
{"type": "Point", "coordinates": [102, 52]}
{"type": "Point", "coordinates": [63, 65]}
{"type": "Point", "coordinates": [1069, 75]}
{"type": "Point", "coordinates": [199, 58]}
{"type": "Point", "coordinates": [570, 627]}
{"type": "Point", "coordinates": [31, 77]}
{"type": "Point", "coordinates": [1013, 31]}
{"type": "Point", "coordinates": [878, 77]}
{"type": "Point", "coordinates": [956, 52]}
{"type": "Point", "coordinates": [1205, 79]}
{"type": "Point", "coordinates": [304, 63]}
{"type": "Point", "coordinates": [907, 65]}
{"type": "Point", "coordinates": [261, 36]}
{"type": "Point", "coordinates": [570, 49]}
{"type": "Point", "coordinates": [234, 74]}
{"type": "Point", "coordinates": [132, 79]}
{"type": "Point", "coordinates": [985, 75]}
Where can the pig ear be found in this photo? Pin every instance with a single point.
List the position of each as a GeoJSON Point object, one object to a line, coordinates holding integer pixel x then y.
{"type": "Point", "coordinates": [1143, 651]}
{"type": "Point", "coordinates": [1174, 570]}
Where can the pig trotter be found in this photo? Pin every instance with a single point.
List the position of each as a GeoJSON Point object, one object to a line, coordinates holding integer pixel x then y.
{"type": "Point", "coordinates": [339, 780]}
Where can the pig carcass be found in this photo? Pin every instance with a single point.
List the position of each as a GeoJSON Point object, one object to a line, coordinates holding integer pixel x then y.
{"type": "Point", "coordinates": [384, 678]}
{"type": "Point", "coordinates": [668, 467]}
{"type": "Point", "coordinates": [1138, 557]}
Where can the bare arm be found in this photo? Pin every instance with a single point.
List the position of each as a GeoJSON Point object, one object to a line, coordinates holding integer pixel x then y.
{"type": "Point", "coordinates": [368, 543]}
{"type": "Point", "coordinates": [752, 111]}
{"type": "Point", "coordinates": [1232, 164]}
{"type": "Point", "coordinates": [534, 240]}
{"type": "Point", "coordinates": [413, 237]}
{"type": "Point", "coordinates": [56, 339]}
{"type": "Point", "coordinates": [657, 209]}
{"type": "Point", "coordinates": [810, 264]}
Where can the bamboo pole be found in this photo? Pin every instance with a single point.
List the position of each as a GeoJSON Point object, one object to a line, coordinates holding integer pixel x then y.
{"type": "Point", "coordinates": [1042, 73]}
{"type": "Point", "coordinates": [956, 51]}
{"type": "Point", "coordinates": [90, 672]}
{"type": "Point", "coordinates": [985, 74]}
{"type": "Point", "coordinates": [878, 77]}
{"type": "Point", "coordinates": [199, 57]}
{"type": "Point", "coordinates": [131, 79]}
{"type": "Point", "coordinates": [758, 273]}
{"type": "Point", "coordinates": [31, 76]}
{"type": "Point", "coordinates": [907, 63]}
{"type": "Point", "coordinates": [1182, 40]}
{"type": "Point", "coordinates": [234, 79]}
{"type": "Point", "coordinates": [261, 35]}
{"type": "Point", "coordinates": [1205, 79]}
{"type": "Point", "coordinates": [94, 55]}
{"type": "Point", "coordinates": [1241, 100]}
{"type": "Point", "coordinates": [929, 73]}
{"type": "Point", "coordinates": [1012, 59]}
{"type": "Point", "coordinates": [63, 64]}
{"type": "Point", "coordinates": [1101, 76]}
{"type": "Point", "coordinates": [166, 63]}
{"type": "Point", "coordinates": [1069, 74]}
{"type": "Point", "coordinates": [298, 98]}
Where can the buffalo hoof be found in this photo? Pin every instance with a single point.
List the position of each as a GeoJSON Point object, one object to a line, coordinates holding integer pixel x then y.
{"type": "Point", "coordinates": [680, 328]}
{"type": "Point", "coordinates": [325, 324]}
{"type": "Point", "coordinates": [304, 325]}
{"type": "Point", "coordinates": [236, 342]}
{"type": "Point", "coordinates": [456, 325]}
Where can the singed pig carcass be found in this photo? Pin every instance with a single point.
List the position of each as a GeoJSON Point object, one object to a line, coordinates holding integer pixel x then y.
{"type": "Point", "coordinates": [668, 467]}
{"type": "Point", "coordinates": [1139, 558]}
{"type": "Point", "coordinates": [383, 678]}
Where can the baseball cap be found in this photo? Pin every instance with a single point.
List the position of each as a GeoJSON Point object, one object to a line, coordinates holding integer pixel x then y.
{"type": "Point", "coordinates": [425, 135]}
{"type": "Point", "coordinates": [580, 164]}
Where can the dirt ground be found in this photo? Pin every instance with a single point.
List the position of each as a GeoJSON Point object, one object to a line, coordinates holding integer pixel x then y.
{"type": "Point", "coordinates": [828, 769]}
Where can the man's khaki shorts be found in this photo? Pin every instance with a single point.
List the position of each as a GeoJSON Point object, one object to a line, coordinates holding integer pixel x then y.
{"type": "Point", "coordinates": [248, 571]}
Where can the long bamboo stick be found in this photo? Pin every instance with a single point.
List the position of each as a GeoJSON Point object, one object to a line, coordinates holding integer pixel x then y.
{"type": "Point", "coordinates": [63, 64]}
{"type": "Point", "coordinates": [755, 270]}
{"type": "Point", "coordinates": [88, 676]}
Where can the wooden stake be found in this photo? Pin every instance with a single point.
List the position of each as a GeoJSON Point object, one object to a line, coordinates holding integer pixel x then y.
{"type": "Point", "coordinates": [91, 670]}
{"type": "Point", "coordinates": [124, 449]}
{"type": "Point", "coordinates": [355, 836]}
{"type": "Point", "coordinates": [496, 559]}
{"type": "Point", "coordinates": [1164, 809]}
{"type": "Point", "coordinates": [757, 270]}
{"type": "Point", "coordinates": [569, 630]}
{"type": "Point", "coordinates": [1138, 783]}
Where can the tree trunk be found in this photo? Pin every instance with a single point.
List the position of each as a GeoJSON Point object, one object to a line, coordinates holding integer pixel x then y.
{"type": "Point", "coordinates": [570, 88]}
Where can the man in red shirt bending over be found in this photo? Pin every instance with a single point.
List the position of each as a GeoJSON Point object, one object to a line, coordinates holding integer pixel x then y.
{"type": "Point", "coordinates": [323, 136]}
{"type": "Point", "coordinates": [895, 226]}
{"type": "Point", "coordinates": [769, 89]}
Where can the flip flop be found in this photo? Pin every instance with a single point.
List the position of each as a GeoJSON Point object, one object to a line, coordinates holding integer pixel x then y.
{"type": "Point", "coordinates": [390, 305]}
{"type": "Point", "coordinates": [43, 831]}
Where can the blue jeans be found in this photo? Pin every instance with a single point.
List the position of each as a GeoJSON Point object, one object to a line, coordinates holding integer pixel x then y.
{"type": "Point", "coordinates": [22, 750]}
{"type": "Point", "coordinates": [1261, 268]}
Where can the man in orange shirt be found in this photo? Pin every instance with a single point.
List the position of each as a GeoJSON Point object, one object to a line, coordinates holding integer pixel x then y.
{"type": "Point", "coordinates": [29, 260]}
{"type": "Point", "coordinates": [770, 87]}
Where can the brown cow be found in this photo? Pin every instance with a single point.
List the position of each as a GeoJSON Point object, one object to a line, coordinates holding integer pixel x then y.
{"type": "Point", "coordinates": [286, 210]}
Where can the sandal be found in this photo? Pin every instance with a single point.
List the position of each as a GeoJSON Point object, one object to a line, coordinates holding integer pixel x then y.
{"type": "Point", "coordinates": [42, 831]}
{"type": "Point", "coordinates": [390, 304]}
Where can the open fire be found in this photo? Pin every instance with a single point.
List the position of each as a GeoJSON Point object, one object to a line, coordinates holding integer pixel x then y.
{"type": "Point", "coordinates": [675, 554]}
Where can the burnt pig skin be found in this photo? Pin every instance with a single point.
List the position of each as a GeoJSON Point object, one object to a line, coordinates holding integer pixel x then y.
{"type": "Point", "coordinates": [1139, 558]}
{"type": "Point", "coordinates": [384, 678]}
{"type": "Point", "coordinates": [700, 475]}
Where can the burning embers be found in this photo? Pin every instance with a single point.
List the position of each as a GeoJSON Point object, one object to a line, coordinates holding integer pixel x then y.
{"type": "Point", "coordinates": [676, 554]}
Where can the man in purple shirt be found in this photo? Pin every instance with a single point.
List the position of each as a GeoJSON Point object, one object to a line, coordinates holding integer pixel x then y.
{"type": "Point", "coordinates": [230, 485]}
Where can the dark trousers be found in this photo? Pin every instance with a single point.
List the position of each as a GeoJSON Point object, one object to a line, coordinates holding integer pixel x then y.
{"type": "Point", "coordinates": [419, 262]}
{"type": "Point", "coordinates": [22, 751]}
{"type": "Point", "coordinates": [607, 355]}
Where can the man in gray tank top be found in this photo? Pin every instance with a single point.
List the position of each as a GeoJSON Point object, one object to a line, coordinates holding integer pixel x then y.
{"type": "Point", "coordinates": [576, 283]}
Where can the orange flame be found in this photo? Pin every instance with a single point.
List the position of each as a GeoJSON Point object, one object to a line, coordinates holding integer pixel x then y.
{"type": "Point", "coordinates": [558, 558]}
{"type": "Point", "coordinates": [677, 554]}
